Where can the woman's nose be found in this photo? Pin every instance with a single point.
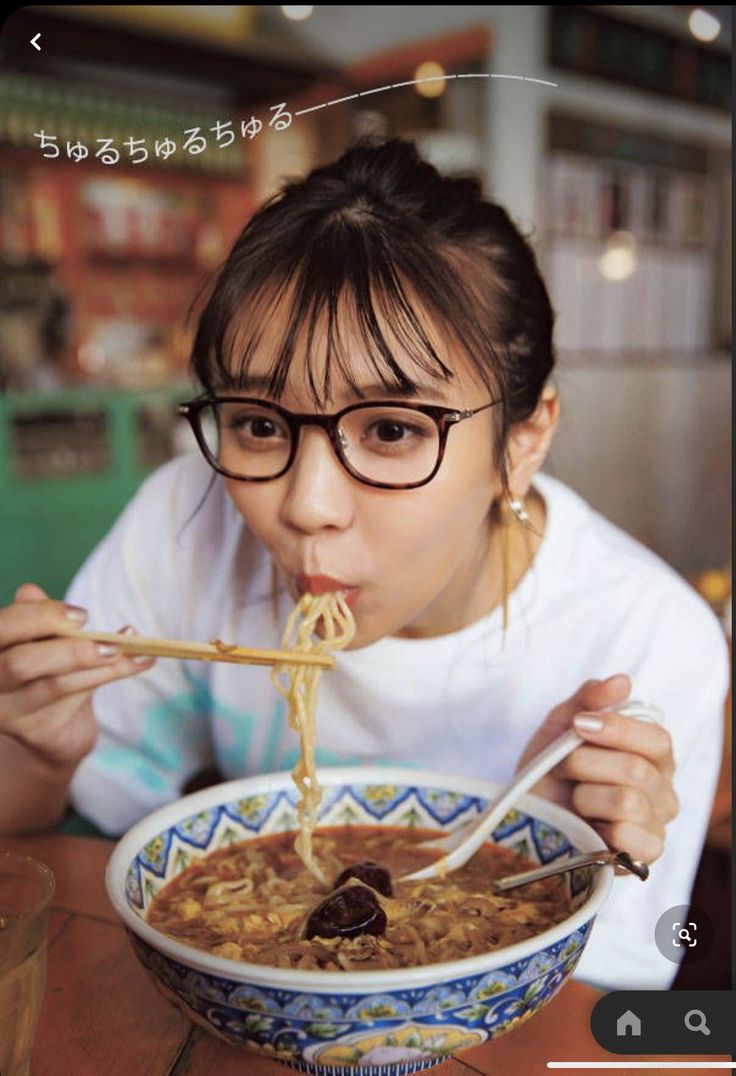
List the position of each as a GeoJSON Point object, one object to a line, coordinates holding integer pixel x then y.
{"type": "Point", "coordinates": [320, 492]}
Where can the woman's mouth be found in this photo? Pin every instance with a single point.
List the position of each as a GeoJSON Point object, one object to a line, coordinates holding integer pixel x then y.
{"type": "Point", "coordinates": [324, 584]}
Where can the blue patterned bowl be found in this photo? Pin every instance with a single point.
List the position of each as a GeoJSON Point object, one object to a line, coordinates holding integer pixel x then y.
{"type": "Point", "coordinates": [352, 1023]}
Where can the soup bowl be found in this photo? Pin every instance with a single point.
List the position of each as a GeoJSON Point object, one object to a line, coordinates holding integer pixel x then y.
{"type": "Point", "coordinates": [348, 1023]}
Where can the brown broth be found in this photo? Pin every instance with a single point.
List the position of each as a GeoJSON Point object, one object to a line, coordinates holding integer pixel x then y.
{"type": "Point", "coordinates": [262, 917]}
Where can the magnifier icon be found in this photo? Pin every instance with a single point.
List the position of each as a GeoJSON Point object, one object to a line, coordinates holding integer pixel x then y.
{"type": "Point", "coordinates": [695, 1021]}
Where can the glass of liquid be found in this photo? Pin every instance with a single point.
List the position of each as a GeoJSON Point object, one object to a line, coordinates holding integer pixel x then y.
{"type": "Point", "coordinates": [26, 888]}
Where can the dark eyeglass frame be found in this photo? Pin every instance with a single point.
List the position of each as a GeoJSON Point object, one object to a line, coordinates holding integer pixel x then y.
{"type": "Point", "coordinates": [443, 417]}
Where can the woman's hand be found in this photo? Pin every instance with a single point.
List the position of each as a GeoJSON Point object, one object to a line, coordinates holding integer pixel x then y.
{"type": "Point", "coordinates": [620, 779]}
{"type": "Point", "coordinates": [46, 682]}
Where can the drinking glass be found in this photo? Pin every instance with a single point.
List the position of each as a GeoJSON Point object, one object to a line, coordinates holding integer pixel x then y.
{"type": "Point", "coordinates": [26, 888]}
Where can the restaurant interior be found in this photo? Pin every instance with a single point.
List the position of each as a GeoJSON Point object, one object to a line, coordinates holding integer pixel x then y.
{"type": "Point", "coordinates": [604, 130]}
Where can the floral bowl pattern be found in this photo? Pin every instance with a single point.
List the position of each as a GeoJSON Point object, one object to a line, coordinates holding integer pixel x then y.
{"type": "Point", "coordinates": [371, 1023]}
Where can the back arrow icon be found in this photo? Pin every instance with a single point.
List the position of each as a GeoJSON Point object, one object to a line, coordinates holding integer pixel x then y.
{"type": "Point", "coordinates": [34, 42]}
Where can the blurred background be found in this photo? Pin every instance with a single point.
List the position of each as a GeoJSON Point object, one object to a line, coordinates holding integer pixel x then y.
{"type": "Point", "coordinates": [135, 141]}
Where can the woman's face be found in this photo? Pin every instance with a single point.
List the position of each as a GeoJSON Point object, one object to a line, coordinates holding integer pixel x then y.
{"type": "Point", "coordinates": [417, 559]}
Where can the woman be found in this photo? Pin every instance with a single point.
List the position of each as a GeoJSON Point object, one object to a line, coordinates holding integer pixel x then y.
{"type": "Point", "coordinates": [375, 360]}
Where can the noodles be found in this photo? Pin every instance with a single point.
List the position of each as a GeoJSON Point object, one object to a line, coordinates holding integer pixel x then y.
{"type": "Point", "coordinates": [269, 901]}
{"type": "Point", "coordinates": [299, 685]}
{"type": "Point", "coordinates": [251, 902]}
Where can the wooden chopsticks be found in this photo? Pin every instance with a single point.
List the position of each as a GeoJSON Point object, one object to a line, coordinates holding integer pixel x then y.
{"type": "Point", "coordinates": [216, 651]}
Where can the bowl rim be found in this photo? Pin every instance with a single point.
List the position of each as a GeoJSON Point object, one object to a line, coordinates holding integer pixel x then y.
{"type": "Point", "coordinates": [300, 980]}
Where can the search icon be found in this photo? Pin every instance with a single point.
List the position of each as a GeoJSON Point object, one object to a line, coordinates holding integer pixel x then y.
{"type": "Point", "coordinates": [695, 1021]}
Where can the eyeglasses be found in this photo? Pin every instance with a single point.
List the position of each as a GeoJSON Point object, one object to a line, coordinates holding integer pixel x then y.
{"type": "Point", "coordinates": [391, 446]}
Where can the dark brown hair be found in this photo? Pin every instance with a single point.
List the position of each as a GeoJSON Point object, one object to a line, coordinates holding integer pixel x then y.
{"type": "Point", "coordinates": [363, 228]}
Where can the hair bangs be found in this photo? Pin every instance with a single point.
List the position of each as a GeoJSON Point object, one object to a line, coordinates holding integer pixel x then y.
{"type": "Point", "coordinates": [348, 285]}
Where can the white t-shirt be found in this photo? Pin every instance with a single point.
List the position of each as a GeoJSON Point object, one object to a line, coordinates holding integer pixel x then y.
{"type": "Point", "coordinates": [594, 603]}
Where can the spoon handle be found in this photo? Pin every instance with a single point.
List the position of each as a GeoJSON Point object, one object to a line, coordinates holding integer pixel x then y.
{"type": "Point", "coordinates": [591, 859]}
{"type": "Point", "coordinates": [534, 770]}
{"type": "Point", "coordinates": [525, 778]}
{"type": "Point", "coordinates": [465, 843]}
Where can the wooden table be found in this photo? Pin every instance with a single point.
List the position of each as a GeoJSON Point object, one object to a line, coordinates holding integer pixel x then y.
{"type": "Point", "coordinates": [102, 1016]}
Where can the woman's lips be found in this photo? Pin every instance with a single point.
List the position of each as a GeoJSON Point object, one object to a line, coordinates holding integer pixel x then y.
{"type": "Point", "coordinates": [324, 584]}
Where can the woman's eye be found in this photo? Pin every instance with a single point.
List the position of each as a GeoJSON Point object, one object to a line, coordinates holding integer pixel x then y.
{"type": "Point", "coordinates": [390, 432]}
{"type": "Point", "coordinates": [250, 428]}
{"type": "Point", "coordinates": [262, 427]}
{"type": "Point", "coordinates": [256, 426]}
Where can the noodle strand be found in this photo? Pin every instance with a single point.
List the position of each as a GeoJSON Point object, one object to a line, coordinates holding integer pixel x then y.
{"type": "Point", "coordinates": [299, 685]}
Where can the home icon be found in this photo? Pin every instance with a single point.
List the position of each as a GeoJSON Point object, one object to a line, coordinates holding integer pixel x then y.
{"type": "Point", "coordinates": [628, 1024]}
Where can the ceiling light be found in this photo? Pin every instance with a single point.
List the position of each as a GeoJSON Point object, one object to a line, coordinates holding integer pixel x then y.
{"type": "Point", "coordinates": [620, 256]}
{"type": "Point", "coordinates": [298, 12]}
{"type": "Point", "coordinates": [703, 25]}
{"type": "Point", "coordinates": [437, 80]}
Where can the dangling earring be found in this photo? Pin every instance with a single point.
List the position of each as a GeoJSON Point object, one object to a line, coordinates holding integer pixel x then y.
{"type": "Point", "coordinates": [510, 509]}
{"type": "Point", "coordinates": [516, 505]}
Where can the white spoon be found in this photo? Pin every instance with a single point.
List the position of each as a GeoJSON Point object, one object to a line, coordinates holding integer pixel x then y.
{"type": "Point", "coordinates": [465, 841]}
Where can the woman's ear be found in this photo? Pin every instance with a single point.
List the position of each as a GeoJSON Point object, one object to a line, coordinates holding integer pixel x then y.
{"type": "Point", "coordinates": [530, 440]}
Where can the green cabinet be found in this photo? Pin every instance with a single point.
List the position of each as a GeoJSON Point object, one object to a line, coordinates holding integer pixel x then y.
{"type": "Point", "coordinates": [69, 462]}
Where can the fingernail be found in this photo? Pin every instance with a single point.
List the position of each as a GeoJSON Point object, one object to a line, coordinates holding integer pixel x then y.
{"type": "Point", "coordinates": [107, 650]}
{"type": "Point", "coordinates": [616, 676]}
{"type": "Point", "coordinates": [127, 630]}
{"type": "Point", "coordinates": [140, 659]}
{"type": "Point", "coordinates": [588, 723]}
{"type": "Point", "coordinates": [75, 614]}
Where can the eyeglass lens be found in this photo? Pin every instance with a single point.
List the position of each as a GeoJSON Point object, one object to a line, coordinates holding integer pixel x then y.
{"type": "Point", "coordinates": [385, 443]}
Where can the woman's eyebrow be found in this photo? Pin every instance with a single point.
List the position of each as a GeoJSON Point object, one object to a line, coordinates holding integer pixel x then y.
{"type": "Point", "coordinates": [249, 383]}
{"type": "Point", "coordinates": [257, 383]}
{"type": "Point", "coordinates": [403, 391]}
